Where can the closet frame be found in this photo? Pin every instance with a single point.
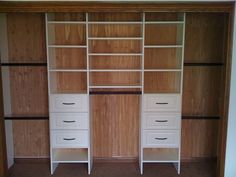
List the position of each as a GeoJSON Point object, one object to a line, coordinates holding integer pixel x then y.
{"type": "Point", "coordinates": [204, 7]}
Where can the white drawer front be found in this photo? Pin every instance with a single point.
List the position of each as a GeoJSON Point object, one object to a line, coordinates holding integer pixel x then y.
{"type": "Point", "coordinates": [68, 138]}
{"type": "Point", "coordinates": [161, 121]}
{"type": "Point", "coordinates": [162, 102]}
{"type": "Point", "coordinates": [69, 103]}
{"type": "Point", "coordinates": [69, 120]}
{"type": "Point", "coordinates": [159, 138]}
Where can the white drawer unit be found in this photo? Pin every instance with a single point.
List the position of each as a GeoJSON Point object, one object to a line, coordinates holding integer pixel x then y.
{"type": "Point", "coordinates": [69, 121]}
{"type": "Point", "coordinates": [161, 138]}
{"type": "Point", "coordinates": [162, 102]}
{"type": "Point", "coordinates": [69, 138]}
{"type": "Point", "coordinates": [161, 121]}
{"type": "Point", "coordinates": [69, 103]}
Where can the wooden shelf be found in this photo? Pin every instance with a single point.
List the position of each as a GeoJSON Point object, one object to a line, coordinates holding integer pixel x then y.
{"type": "Point", "coordinates": [26, 117]}
{"type": "Point", "coordinates": [203, 64]}
{"type": "Point", "coordinates": [23, 64]}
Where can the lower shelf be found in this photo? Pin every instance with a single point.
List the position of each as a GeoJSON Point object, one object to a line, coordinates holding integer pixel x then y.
{"type": "Point", "coordinates": [151, 155]}
{"type": "Point", "coordinates": [69, 155]}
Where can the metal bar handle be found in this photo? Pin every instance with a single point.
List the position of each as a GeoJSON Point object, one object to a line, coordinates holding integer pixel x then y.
{"type": "Point", "coordinates": [68, 103]}
{"type": "Point", "coordinates": [69, 121]}
{"type": "Point", "coordinates": [161, 138]}
{"type": "Point", "coordinates": [161, 103]}
{"type": "Point", "coordinates": [161, 120]}
{"type": "Point", "coordinates": [69, 139]}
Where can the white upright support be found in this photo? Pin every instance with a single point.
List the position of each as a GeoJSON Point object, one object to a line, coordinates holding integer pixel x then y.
{"type": "Point", "coordinates": [70, 124]}
{"type": "Point", "coordinates": [161, 112]}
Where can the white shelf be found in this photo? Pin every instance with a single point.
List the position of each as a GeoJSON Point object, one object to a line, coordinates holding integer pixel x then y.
{"type": "Point", "coordinates": [164, 22]}
{"type": "Point", "coordinates": [115, 22]}
{"type": "Point", "coordinates": [160, 155]}
{"type": "Point", "coordinates": [68, 70]}
{"type": "Point", "coordinates": [115, 70]}
{"type": "Point", "coordinates": [67, 46]}
{"type": "Point", "coordinates": [162, 70]}
{"type": "Point", "coordinates": [115, 86]}
{"type": "Point", "coordinates": [70, 155]}
{"type": "Point", "coordinates": [163, 46]}
{"type": "Point", "coordinates": [115, 38]}
{"type": "Point", "coordinates": [115, 54]}
{"type": "Point", "coordinates": [66, 22]}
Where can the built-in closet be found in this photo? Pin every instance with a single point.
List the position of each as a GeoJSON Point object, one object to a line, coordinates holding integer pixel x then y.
{"type": "Point", "coordinates": [147, 86]}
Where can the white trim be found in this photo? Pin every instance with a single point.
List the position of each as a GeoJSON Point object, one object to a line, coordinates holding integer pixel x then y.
{"type": "Point", "coordinates": [67, 46]}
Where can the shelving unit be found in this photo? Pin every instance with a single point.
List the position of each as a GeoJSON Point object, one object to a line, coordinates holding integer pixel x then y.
{"type": "Point", "coordinates": [162, 88]}
{"type": "Point", "coordinates": [68, 80]}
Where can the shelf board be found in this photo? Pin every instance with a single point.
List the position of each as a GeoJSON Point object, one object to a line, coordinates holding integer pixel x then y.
{"type": "Point", "coordinates": [26, 117]}
{"type": "Point", "coordinates": [203, 64]}
{"type": "Point", "coordinates": [160, 155]}
{"type": "Point", "coordinates": [68, 70]}
{"type": "Point", "coordinates": [163, 46]}
{"type": "Point", "coordinates": [23, 64]}
{"type": "Point", "coordinates": [116, 22]}
{"type": "Point", "coordinates": [116, 86]}
{"type": "Point", "coordinates": [115, 38]}
{"type": "Point", "coordinates": [70, 155]}
{"type": "Point", "coordinates": [115, 92]}
{"type": "Point", "coordinates": [67, 22]}
{"type": "Point", "coordinates": [67, 46]}
{"type": "Point", "coordinates": [162, 70]}
{"type": "Point", "coordinates": [164, 22]}
{"type": "Point", "coordinates": [200, 117]}
{"type": "Point", "coordinates": [115, 70]}
{"type": "Point", "coordinates": [115, 54]}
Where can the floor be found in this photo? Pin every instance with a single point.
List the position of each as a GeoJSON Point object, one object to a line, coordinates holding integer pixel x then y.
{"type": "Point", "coordinates": [195, 169]}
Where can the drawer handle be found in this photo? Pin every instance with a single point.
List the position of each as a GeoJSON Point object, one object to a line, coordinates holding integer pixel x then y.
{"type": "Point", "coordinates": [161, 103]}
{"type": "Point", "coordinates": [161, 138]}
{"type": "Point", "coordinates": [68, 103]}
{"type": "Point", "coordinates": [69, 121]}
{"type": "Point", "coordinates": [161, 120]}
{"type": "Point", "coordinates": [69, 139]}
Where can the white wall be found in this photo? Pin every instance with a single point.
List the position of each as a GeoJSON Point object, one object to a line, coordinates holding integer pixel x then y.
{"type": "Point", "coordinates": [230, 159]}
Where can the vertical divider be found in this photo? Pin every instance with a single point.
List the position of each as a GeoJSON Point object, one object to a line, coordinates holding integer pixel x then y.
{"type": "Point", "coordinates": [90, 157]}
{"type": "Point", "coordinates": [181, 85]}
{"type": "Point", "coordinates": [141, 98]}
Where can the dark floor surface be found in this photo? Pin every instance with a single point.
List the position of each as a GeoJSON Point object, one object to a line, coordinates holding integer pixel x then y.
{"type": "Point", "coordinates": [195, 169]}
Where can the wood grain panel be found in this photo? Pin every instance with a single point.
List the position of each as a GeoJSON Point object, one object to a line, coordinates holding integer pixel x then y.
{"type": "Point", "coordinates": [68, 58]}
{"type": "Point", "coordinates": [199, 138]}
{"type": "Point", "coordinates": [162, 82]}
{"type": "Point", "coordinates": [115, 125]}
{"type": "Point", "coordinates": [114, 30]}
{"type": "Point", "coordinates": [162, 58]}
{"type": "Point", "coordinates": [70, 82]}
{"type": "Point", "coordinates": [67, 34]}
{"type": "Point", "coordinates": [115, 16]}
{"type": "Point", "coordinates": [26, 37]}
{"type": "Point", "coordinates": [29, 93]}
{"type": "Point", "coordinates": [204, 37]}
{"type": "Point", "coordinates": [31, 138]}
{"type": "Point", "coordinates": [115, 78]}
{"type": "Point", "coordinates": [66, 16]}
{"type": "Point", "coordinates": [161, 16]}
{"type": "Point", "coordinates": [201, 91]}
{"type": "Point", "coordinates": [161, 34]}
{"type": "Point", "coordinates": [68, 6]}
{"type": "Point", "coordinates": [115, 62]}
{"type": "Point", "coordinates": [115, 46]}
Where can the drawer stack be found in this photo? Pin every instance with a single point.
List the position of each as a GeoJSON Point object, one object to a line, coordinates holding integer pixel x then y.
{"type": "Point", "coordinates": [161, 124]}
{"type": "Point", "coordinates": [69, 125]}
